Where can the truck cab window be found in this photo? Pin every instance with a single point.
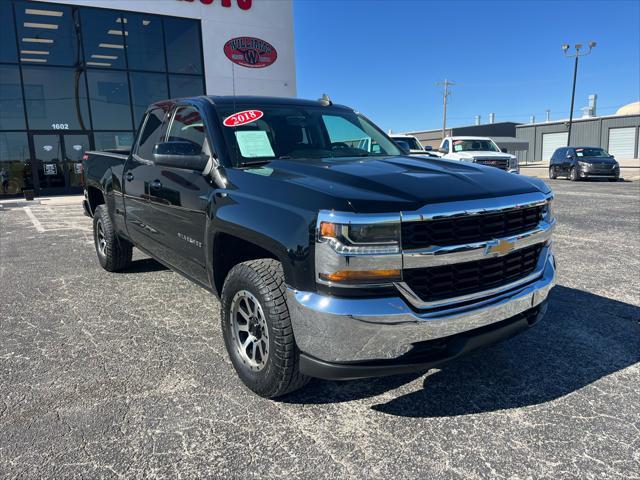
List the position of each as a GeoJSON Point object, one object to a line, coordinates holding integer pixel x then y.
{"type": "Point", "coordinates": [187, 126]}
{"type": "Point", "coordinates": [151, 133]}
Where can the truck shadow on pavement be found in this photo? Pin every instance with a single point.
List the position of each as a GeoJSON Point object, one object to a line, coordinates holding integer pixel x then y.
{"type": "Point", "coordinates": [144, 265]}
{"type": "Point", "coordinates": [583, 338]}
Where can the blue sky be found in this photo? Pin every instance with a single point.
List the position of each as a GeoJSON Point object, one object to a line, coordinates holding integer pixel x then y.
{"type": "Point", "coordinates": [383, 57]}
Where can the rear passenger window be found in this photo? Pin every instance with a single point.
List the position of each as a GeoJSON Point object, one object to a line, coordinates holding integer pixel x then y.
{"type": "Point", "coordinates": [151, 132]}
{"type": "Point", "coordinates": [187, 126]}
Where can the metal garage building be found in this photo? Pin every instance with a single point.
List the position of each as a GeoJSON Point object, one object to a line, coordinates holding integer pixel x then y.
{"type": "Point", "coordinates": [618, 134]}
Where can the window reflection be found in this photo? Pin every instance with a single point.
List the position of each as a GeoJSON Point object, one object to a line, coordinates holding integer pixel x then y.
{"type": "Point", "coordinates": [147, 88]}
{"type": "Point", "coordinates": [113, 140]}
{"type": "Point", "coordinates": [11, 107]}
{"type": "Point", "coordinates": [47, 34]}
{"type": "Point", "coordinates": [15, 163]}
{"type": "Point", "coordinates": [145, 46]}
{"type": "Point", "coordinates": [180, 36]}
{"type": "Point", "coordinates": [103, 33]}
{"type": "Point", "coordinates": [109, 94]}
{"type": "Point", "coordinates": [56, 98]}
{"type": "Point", "coordinates": [182, 86]}
{"type": "Point", "coordinates": [8, 50]}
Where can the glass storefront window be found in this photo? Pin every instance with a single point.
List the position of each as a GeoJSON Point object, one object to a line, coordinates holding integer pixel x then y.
{"type": "Point", "coordinates": [8, 50]}
{"type": "Point", "coordinates": [145, 46]}
{"type": "Point", "coordinates": [181, 86]}
{"type": "Point", "coordinates": [103, 36]}
{"type": "Point", "coordinates": [11, 106]}
{"type": "Point", "coordinates": [109, 98]}
{"type": "Point", "coordinates": [147, 88]}
{"type": "Point", "coordinates": [113, 140]}
{"type": "Point", "coordinates": [56, 98]}
{"type": "Point", "coordinates": [47, 34]}
{"type": "Point", "coordinates": [180, 36]}
{"type": "Point", "coordinates": [15, 163]}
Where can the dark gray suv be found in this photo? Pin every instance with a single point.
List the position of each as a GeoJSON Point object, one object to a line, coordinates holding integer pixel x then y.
{"type": "Point", "coordinates": [582, 163]}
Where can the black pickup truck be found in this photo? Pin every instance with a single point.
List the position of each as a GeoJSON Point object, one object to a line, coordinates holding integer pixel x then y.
{"type": "Point", "coordinates": [333, 254]}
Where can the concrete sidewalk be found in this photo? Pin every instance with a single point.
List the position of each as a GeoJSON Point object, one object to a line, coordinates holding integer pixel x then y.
{"type": "Point", "coordinates": [50, 201]}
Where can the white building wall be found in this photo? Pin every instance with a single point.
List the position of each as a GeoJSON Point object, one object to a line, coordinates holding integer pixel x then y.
{"type": "Point", "coordinates": [269, 20]}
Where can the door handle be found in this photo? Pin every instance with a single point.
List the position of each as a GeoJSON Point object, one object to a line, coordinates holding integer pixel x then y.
{"type": "Point", "coordinates": [156, 184]}
{"type": "Point", "coordinates": [129, 176]}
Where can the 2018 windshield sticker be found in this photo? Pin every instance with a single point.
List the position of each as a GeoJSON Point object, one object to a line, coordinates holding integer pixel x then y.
{"type": "Point", "coordinates": [242, 118]}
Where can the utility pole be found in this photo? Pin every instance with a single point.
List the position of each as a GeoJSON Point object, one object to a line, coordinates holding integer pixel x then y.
{"type": "Point", "coordinates": [446, 84]}
{"type": "Point", "coordinates": [578, 54]}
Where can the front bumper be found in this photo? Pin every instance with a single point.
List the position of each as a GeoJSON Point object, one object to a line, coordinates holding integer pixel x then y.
{"type": "Point", "coordinates": [360, 337]}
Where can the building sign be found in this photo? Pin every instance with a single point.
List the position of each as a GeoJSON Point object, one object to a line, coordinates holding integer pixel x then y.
{"type": "Point", "coordinates": [243, 4]}
{"type": "Point", "coordinates": [50, 169]}
{"type": "Point", "coordinates": [250, 52]}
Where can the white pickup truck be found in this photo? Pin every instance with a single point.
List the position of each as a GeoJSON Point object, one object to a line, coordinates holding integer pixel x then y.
{"type": "Point", "coordinates": [480, 150]}
{"type": "Point", "coordinates": [411, 143]}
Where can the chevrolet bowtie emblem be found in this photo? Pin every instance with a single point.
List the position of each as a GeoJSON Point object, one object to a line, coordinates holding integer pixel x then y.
{"type": "Point", "coordinates": [499, 247]}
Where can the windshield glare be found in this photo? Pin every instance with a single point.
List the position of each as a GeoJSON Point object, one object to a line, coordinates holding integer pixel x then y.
{"type": "Point", "coordinates": [412, 142]}
{"type": "Point", "coordinates": [591, 152]}
{"type": "Point", "coordinates": [474, 145]}
{"type": "Point", "coordinates": [295, 132]}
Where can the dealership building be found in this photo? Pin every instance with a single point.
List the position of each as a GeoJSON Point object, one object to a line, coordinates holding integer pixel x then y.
{"type": "Point", "coordinates": [78, 75]}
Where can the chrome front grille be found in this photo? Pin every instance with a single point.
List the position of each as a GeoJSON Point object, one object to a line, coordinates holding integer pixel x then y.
{"type": "Point", "coordinates": [501, 163]}
{"type": "Point", "coordinates": [470, 228]}
{"type": "Point", "coordinates": [455, 255]}
{"type": "Point", "coordinates": [454, 280]}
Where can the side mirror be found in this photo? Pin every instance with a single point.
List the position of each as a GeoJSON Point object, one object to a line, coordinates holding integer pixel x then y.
{"type": "Point", "coordinates": [428, 148]}
{"type": "Point", "coordinates": [180, 154]}
{"type": "Point", "coordinates": [503, 150]}
{"type": "Point", "coordinates": [611, 157]}
{"type": "Point", "coordinates": [443, 150]}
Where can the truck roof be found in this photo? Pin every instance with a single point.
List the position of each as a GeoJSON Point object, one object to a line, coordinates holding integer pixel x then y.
{"type": "Point", "coordinates": [468, 137]}
{"type": "Point", "coordinates": [252, 100]}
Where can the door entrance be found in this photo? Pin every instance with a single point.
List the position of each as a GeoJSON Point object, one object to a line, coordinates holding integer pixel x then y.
{"type": "Point", "coordinates": [57, 161]}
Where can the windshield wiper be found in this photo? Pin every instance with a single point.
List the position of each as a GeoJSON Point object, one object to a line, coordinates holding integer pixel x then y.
{"type": "Point", "coordinates": [256, 162]}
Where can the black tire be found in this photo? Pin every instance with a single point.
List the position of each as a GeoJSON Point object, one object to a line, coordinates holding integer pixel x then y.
{"type": "Point", "coordinates": [279, 374]}
{"type": "Point", "coordinates": [552, 173]}
{"type": "Point", "coordinates": [114, 253]}
{"type": "Point", "coordinates": [573, 174]}
{"type": "Point", "coordinates": [613, 179]}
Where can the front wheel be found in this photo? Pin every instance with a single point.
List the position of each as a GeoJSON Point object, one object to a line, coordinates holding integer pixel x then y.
{"type": "Point", "coordinates": [257, 329]}
{"type": "Point", "coordinates": [552, 173]}
{"type": "Point", "coordinates": [574, 176]}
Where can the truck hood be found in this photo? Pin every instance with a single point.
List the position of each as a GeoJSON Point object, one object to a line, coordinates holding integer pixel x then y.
{"type": "Point", "coordinates": [388, 184]}
{"type": "Point", "coordinates": [479, 153]}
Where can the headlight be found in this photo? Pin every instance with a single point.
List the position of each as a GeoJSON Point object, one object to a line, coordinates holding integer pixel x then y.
{"type": "Point", "coordinates": [549, 213]}
{"type": "Point", "coordinates": [584, 164]}
{"type": "Point", "coordinates": [361, 239]}
{"type": "Point", "coordinates": [513, 163]}
{"type": "Point", "coordinates": [351, 253]}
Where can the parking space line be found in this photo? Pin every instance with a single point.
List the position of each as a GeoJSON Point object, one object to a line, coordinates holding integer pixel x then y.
{"type": "Point", "coordinates": [34, 220]}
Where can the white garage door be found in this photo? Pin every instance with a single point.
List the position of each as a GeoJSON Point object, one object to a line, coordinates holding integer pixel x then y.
{"type": "Point", "coordinates": [622, 142]}
{"type": "Point", "coordinates": [552, 141]}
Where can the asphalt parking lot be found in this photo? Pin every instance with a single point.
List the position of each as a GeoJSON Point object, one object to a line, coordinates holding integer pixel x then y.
{"type": "Point", "coordinates": [126, 375]}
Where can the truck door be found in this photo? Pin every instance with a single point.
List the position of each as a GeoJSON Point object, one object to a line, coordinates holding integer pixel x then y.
{"type": "Point", "coordinates": [136, 182]}
{"type": "Point", "coordinates": [179, 198]}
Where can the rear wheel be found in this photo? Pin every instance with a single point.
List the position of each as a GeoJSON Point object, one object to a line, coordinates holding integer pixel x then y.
{"type": "Point", "coordinates": [257, 329]}
{"type": "Point", "coordinates": [114, 253]}
{"type": "Point", "coordinates": [552, 173]}
{"type": "Point", "coordinates": [573, 175]}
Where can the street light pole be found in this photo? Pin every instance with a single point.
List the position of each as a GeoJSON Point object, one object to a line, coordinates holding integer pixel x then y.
{"type": "Point", "coordinates": [576, 55]}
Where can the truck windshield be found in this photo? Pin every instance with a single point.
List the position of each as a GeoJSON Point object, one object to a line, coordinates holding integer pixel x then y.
{"type": "Point", "coordinates": [411, 141]}
{"type": "Point", "coordinates": [259, 133]}
{"type": "Point", "coordinates": [475, 146]}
